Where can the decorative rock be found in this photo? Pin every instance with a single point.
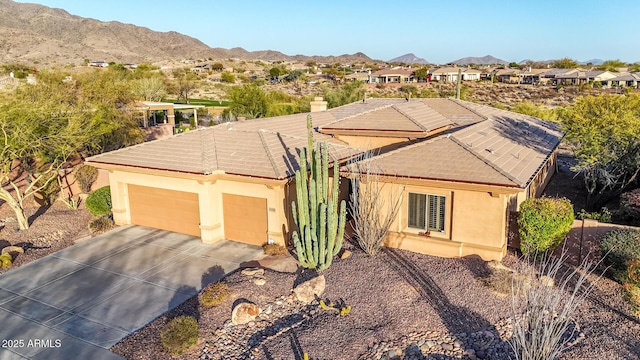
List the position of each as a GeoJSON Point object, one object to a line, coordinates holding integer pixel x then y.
{"type": "Point", "coordinates": [259, 281]}
{"type": "Point", "coordinates": [547, 281]}
{"type": "Point", "coordinates": [345, 254]}
{"type": "Point", "coordinates": [252, 271]}
{"type": "Point", "coordinates": [392, 354]}
{"type": "Point", "coordinates": [244, 313]}
{"type": "Point", "coordinates": [12, 250]}
{"type": "Point", "coordinates": [308, 290]}
{"type": "Point", "coordinates": [446, 346]}
{"type": "Point", "coordinates": [280, 263]}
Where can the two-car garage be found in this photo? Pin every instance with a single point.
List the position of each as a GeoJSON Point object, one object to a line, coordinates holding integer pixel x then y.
{"type": "Point", "coordinates": [245, 217]}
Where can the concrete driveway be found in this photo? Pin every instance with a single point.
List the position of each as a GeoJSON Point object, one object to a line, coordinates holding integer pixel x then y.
{"type": "Point", "coordinates": [80, 301]}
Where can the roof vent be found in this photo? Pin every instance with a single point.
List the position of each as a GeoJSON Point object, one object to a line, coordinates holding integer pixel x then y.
{"type": "Point", "coordinates": [491, 151]}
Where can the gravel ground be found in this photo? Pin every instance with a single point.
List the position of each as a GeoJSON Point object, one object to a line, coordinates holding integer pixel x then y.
{"type": "Point", "coordinates": [51, 229]}
{"type": "Point", "coordinates": [392, 295]}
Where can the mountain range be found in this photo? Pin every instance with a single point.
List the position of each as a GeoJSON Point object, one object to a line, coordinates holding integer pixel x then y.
{"type": "Point", "coordinates": [34, 33]}
{"type": "Point", "coordinates": [31, 33]}
{"type": "Point", "coordinates": [485, 60]}
{"type": "Point", "coordinates": [409, 58]}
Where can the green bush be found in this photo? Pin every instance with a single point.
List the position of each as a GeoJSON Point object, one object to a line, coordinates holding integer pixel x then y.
{"type": "Point", "coordinates": [544, 223]}
{"type": "Point", "coordinates": [101, 224]}
{"type": "Point", "coordinates": [179, 334]}
{"type": "Point", "coordinates": [620, 247]}
{"type": "Point", "coordinates": [99, 202]}
{"type": "Point", "coordinates": [603, 215]}
{"type": "Point", "coordinates": [86, 175]}
{"type": "Point", "coordinates": [214, 294]}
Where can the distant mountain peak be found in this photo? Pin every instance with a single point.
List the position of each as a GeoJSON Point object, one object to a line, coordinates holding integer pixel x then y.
{"type": "Point", "coordinates": [409, 58]}
{"type": "Point", "coordinates": [485, 60]}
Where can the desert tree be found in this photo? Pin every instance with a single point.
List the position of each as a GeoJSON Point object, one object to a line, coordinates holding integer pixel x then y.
{"type": "Point", "coordinates": [150, 88]}
{"type": "Point", "coordinates": [545, 295]}
{"type": "Point", "coordinates": [612, 65]}
{"type": "Point", "coordinates": [44, 125]}
{"type": "Point", "coordinates": [373, 203]}
{"type": "Point", "coordinates": [604, 134]}
{"type": "Point", "coordinates": [185, 82]}
{"type": "Point", "coordinates": [248, 100]}
{"type": "Point", "coordinates": [565, 63]}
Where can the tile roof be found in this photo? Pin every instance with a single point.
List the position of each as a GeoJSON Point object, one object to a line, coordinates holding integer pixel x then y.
{"type": "Point", "coordinates": [504, 148]}
{"type": "Point", "coordinates": [258, 153]}
{"type": "Point", "coordinates": [436, 159]}
{"type": "Point", "coordinates": [483, 144]}
{"type": "Point", "coordinates": [406, 116]}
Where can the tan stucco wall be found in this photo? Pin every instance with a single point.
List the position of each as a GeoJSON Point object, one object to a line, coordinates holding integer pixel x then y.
{"type": "Point", "coordinates": [475, 220]}
{"type": "Point", "coordinates": [209, 190]}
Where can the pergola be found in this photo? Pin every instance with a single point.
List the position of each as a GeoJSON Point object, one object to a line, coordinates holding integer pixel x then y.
{"type": "Point", "coordinates": [152, 106]}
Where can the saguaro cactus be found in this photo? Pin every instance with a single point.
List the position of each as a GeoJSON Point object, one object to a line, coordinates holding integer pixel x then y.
{"type": "Point", "coordinates": [317, 216]}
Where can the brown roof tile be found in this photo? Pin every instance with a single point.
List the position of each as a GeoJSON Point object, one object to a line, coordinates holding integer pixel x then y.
{"type": "Point", "coordinates": [437, 159]}
{"type": "Point", "coordinates": [488, 146]}
{"type": "Point", "coordinates": [385, 119]}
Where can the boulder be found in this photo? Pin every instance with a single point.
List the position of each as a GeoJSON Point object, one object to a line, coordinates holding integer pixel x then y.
{"type": "Point", "coordinates": [308, 290]}
{"type": "Point", "coordinates": [345, 254]}
{"type": "Point", "coordinates": [259, 281]}
{"type": "Point", "coordinates": [279, 263]}
{"type": "Point", "coordinates": [547, 281]}
{"type": "Point", "coordinates": [252, 272]}
{"type": "Point", "coordinates": [244, 313]}
{"type": "Point", "coordinates": [13, 250]}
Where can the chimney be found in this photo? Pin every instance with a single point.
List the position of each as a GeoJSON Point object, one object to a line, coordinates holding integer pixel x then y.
{"type": "Point", "coordinates": [318, 104]}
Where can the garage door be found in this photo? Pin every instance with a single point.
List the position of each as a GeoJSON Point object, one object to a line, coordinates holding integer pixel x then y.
{"type": "Point", "coordinates": [245, 218]}
{"type": "Point", "coordinates": [165, 209]}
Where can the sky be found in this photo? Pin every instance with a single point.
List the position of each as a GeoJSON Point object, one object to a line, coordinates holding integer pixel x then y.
{"type": "Point", "coordinates": [438, 31]}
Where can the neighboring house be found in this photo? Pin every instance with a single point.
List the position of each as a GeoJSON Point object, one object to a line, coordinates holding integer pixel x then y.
{"type": "Point", "coordinates": [520, 76]}
{"type": "Point", "coordinates": [392, 76]}
{"type": "Point", "coordinates": [462, 167]}
{"type": "Point", "coordinates": [99, 63]}
{"type": "Point", "coordinates": [550, 75]}
{"type": "Point", "coordinates": [508, 76]}
{"type": "Point", "coordinates": [450, 74]}
{"type": "Point", "coordinates": [625, 80]}
{"type": "Point", "coordinates": [578, 77]}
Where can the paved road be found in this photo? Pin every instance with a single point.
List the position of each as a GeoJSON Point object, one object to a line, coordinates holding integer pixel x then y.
{"type": "Point", "coordinates": [80, 301]}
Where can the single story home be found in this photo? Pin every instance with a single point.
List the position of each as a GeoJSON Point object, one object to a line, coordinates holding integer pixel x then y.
{"type": "Point", "coordinates": [462, 167]}
{"type": "Point", "coordinates": [450, 74]}
{"type": "Point", "coordinates": [390, 76]}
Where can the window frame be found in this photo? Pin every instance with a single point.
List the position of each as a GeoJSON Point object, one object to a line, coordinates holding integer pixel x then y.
{"type": "Point", "coordinates": [444, 233]}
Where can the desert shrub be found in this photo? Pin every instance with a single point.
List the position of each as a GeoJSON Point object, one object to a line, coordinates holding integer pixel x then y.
{"type": "Point", "coordinates": [620, 247]}
{"type": "Point", "coordinates": [275, 249]}
{"type": "Point", "coordinates": [49, 190]}
{"type": "Point", "coordinates": [101, 224]}
{"type": "Point", "coordinates": [99, 202]}
{"type": "Point", "coordinates": [179, 334]}
{"type": "Point", "coordinates": [633, 272]}
{"type": "Point", "coordinates": [503, 282]}
{"type": "Point", "coordinates": [603, 215]}
{"type": "Point", "coordinates": [214, 294]}
{"type": "Point", "coordinates": [86, 175]}
{"type": "Point", "coordinates": [543, 313]}
{"type": "Point", "coordinates": [500, 281]}
{"type": "Point", "coordinates": [630, 205]}
{"type": "Point", "coordinates": [543, 223]}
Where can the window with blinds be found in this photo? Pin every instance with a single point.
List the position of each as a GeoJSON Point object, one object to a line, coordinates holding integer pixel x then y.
{"type": "Point", "coordinates": [427, 212]}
